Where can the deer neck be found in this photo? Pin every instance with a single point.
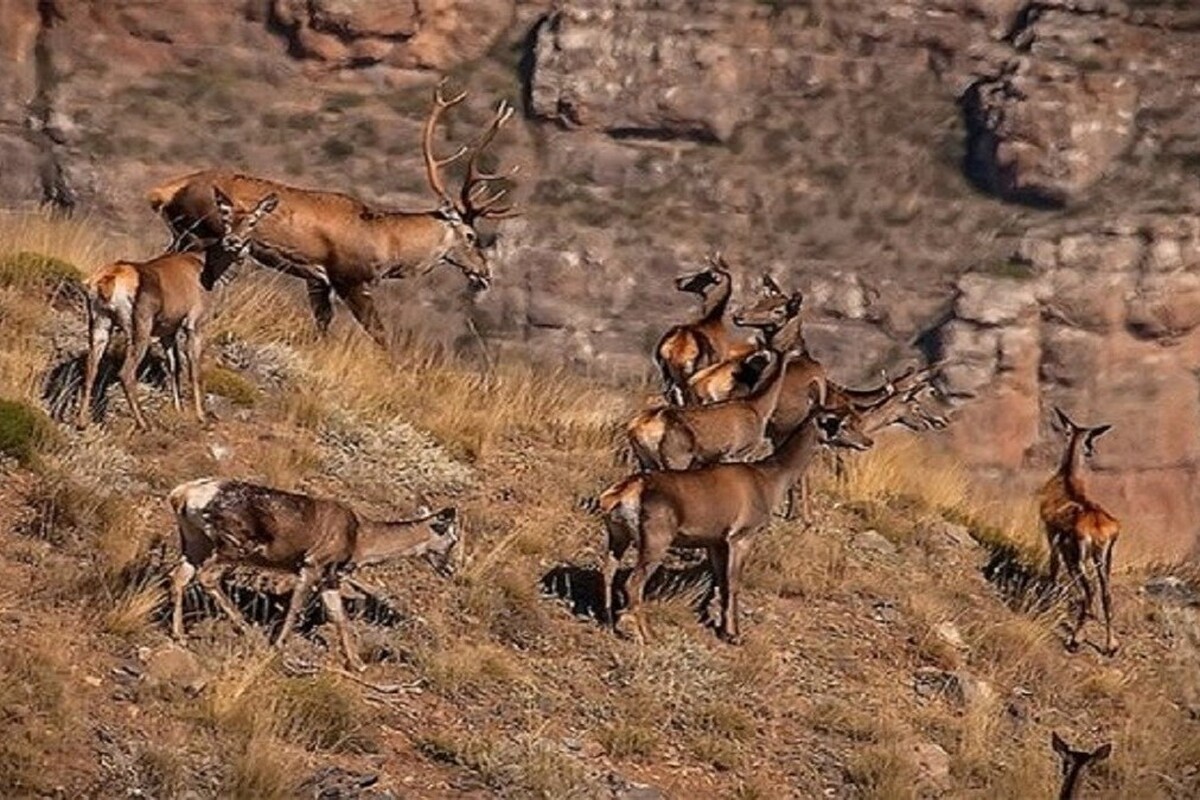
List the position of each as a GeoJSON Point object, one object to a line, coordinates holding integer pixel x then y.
{"type": "Point", "coordinates": [717, 301]}
{"type": "Point", "coordinates": [766, 397]}
{"type": "Point", "coordinates": [788, 337]}
{"type": "Point", "coordinates": [790, 460]}
{"type": "Point", "coordinates": [384, 541]}
{"type": "Point", "coordinates": [217, 261]}
{"type": "Point", "coordinates": [1070, 470]}
{"type": "Point", "coordinates": [1070, 784]}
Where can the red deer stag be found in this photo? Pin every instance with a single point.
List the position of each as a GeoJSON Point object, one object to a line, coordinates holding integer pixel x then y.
{"type": "Point", "coordinates": [1078, 530]}
{"type": "Point", "coordinates": [686, 348]}
{"type": "Point", "coordinates": [1073, 762]}
{"type": "Point", "coordinates": [163, 298]}
{"type": "Point", "coordinates": [226, 522]}
{"type": "Point", "coordinates": [717, 507]}
{"type": "Point", "coordinates": [338, 244]}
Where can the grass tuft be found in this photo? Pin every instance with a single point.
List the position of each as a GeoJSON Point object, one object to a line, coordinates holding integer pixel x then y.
{"type": "Point", "coordinates": [24, 431]}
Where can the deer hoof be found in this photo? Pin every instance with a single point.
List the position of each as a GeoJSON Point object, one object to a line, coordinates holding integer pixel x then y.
{"type": "Point", "coordinates": [1112, 648]}
{"type": "Point", "coordinates": [1072, 646]}
{"type": "Point", "coordinates": [734, 639]}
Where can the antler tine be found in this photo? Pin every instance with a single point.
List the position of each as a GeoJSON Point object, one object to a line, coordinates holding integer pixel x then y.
{"type": "Point", "coordinates": [433, 164]}
{"type": "Point", "coordinates": [476, 178]}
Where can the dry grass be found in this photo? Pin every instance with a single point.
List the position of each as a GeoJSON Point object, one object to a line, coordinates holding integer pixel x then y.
{"type": "Point", "coordinates": [79, 241]}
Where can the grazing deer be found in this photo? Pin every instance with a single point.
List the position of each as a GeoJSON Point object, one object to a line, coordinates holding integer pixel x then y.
{"type": "Point", "coordinates": [1077, 528]}
{"type": "Point", "coordinates": [686, 348]}
{"type": "Point", "coordinates": [227, 522]}
{"type": "Point", "coordinates": [717, 507]}
{"type": "Point", "coordinates": [163, 298]}
{"type": "Point", "coordinates": [1074, 762]}
{"type": "Point", "coordinates": [338, 244]}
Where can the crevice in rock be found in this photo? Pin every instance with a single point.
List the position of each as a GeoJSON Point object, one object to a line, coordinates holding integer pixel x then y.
{"type": "Point", "coordinates": [56, 189]}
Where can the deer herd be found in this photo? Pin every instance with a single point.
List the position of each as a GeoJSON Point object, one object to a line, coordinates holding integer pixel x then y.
{"type": "Point", "coordinates": [739, 424]}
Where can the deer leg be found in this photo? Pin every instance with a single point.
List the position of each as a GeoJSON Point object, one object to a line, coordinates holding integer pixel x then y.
{"type": "Point", "coordinates": [1074, 565]}
{"type": "Point", "coordinates": [308, 576]}
{"type": "Point", "coordinates": [331, 598]}
{"type": "Point", "coordinates": [320, 299]}
{"type": "Point", "coordinates": [135, 352]}
{"type": "Point", "coordinates": [180, 578]}
{"type": "Point", "coordinates": [195, 350]}
{"type": "Point", "coordinates": [209, 577]}
{"type": "Point", "coordinates": [100, 328]}
{"type": "Point", "coordinates": [1103, 564]}
{"type": "Point", "coordinates": [738, 546]}
{"type": "Point", "coordinates": [171, 352]}
{"type": "Point", "coordinates": [362, 306]}
{"type": "Point", "coordinates": [652, 548]}
{"type": "Point", "coordinates": [1054, 558]}
{"type": "Point", "coordinates": [618, 543]}
{"type": "Point", "coordinates": [718, 557]}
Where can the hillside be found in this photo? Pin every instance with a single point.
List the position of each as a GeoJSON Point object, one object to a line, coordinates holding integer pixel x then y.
{"type": "Point", "coordinates": [896, 648]}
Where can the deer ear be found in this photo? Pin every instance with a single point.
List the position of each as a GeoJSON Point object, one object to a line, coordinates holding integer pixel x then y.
{"type": "Point", "coordinates": [224, 204]}
{"type": "Point", "coordinates": [1099, 431]}
{"type": "Point", "coordinates": [446, 516]}
{"type": "Point", "coordinates": [267, 204]}
{"type": "Point", "coordinates": [1063, 420]}
{"type": "Point", "coordinates": [1102, 752]}
{"type": "Point", "coordinates": [1056, 741]}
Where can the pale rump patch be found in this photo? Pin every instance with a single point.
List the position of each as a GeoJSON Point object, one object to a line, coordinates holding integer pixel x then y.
{"type": "Point", "coordinates": [194, 496]}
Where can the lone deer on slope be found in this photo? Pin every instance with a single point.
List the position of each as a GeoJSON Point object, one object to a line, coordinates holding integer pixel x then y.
{"type": "Point", "coordinates": [717, 507]}
{"type": "Point", "coordinates": [1078, 530]}
{"type": "Point", "coordinates": [341, 245]}
{"type": "Point", "coordinates": [163, 298]}
{"type": "Point", "coordinates": [227, 522]}
{"type": "Point", "coordinates": [1073, 762]}
{"type": "Point", "coordinates": [686, 348]}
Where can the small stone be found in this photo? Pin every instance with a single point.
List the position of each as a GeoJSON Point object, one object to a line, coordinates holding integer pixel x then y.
{"type": "Point", "coordinates": [932, 761]}
{"type": "Point", "coordinates": [884, 611]}
{"type": "Point", "coordinates": [953, 532]}
{"type": "Point", "coordinates": [1170, 590]}
{"type": "Point", "coordinates": [219, 452]}
{"type": "Point", "coordinates": [948, 633]}
{"type": "Point", "coordinates": [571, 743]}
{"type": "Point", "coordinates": [875, 541]}
{"type": "Point", "coordinates": [171, 665]}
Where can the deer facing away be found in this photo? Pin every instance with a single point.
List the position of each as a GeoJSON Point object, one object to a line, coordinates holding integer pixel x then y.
{"type": "Point", "coordinates": [339, 244]}
{"type": "Point", "coordinates": [227, 522]}
{"type": "Point", "coordinates": [163, 298]}
{"type": "Point", "coordinates": [1078, 530]}
{"type": "Point", "coordinates": [717, 507]}
{"type": "Point", "coordinates": [1073, 762]}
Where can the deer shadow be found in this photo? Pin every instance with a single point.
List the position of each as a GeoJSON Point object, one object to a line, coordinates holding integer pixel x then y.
{"type": "Point", "coordinates": [266, 607]}
{"type": "Point", "coordinates": [62, 388]}
{"type": "Point", "coordinates": [582, 588]}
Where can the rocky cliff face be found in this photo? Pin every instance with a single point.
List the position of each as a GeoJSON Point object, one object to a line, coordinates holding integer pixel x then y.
{"type": "Point", "coordinates": [1010, 184]}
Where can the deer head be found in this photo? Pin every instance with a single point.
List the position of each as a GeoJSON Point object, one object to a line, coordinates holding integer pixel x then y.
{"type": "Point", "coordinates": [1073, 430]}
{"type": "Point", "coordinates": [235, 230]}
{"type": "Point", "coordinates": [702, 282]}
{"type": "Point", "coordinates": [438, 550]}
{"type": "Point", "coordinates": [1073, 762]}
{"type": "Point", "coordinates": [773, 309]}
{"type": "Point", "coordinates": [841, 428]}
{"type": "Point", "coordinates": [476, 200]}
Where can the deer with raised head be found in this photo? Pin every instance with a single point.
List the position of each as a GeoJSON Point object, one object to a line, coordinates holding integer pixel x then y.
{"type": "Point", "coordinates": [341, 245]}
{"type": "Point", "coordinates": [776, 317]}
{"type": "Point", "coordinates": [718, 507]}
{"type": "Point", "coordinates": [163, 298]}
{"type": "Point", "coordinates": [1073, 762]}
{"type": "Point", "coordinates": [1078, 530]}
{"type": "Point", "coordinates": [320, 541]}
{"type": "Point", "coordinates": [686, 348]}
{"type": "Point", "coordinates": [679, 437]}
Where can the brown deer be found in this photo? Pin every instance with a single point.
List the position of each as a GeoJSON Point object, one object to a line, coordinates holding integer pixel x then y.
{"type": "Point", "coordinates": [675, 437]}
{"type": "Point", "coordinates": [163, 298]}
{"type": "Point", "coordinates": [1073, 762]}
{"type": "Point", "coordinates": [777, 319]}
{"type": "Point", "coordinates": [717, 507]}
{"type": "Point", "coordinates": [226, 522]}
{"type": "Point", "coordinates": [339, 244]}
{"type": "Point", "coordinates": [686, 348]}
{"type": "Point", "coordinates": [1078, 530]}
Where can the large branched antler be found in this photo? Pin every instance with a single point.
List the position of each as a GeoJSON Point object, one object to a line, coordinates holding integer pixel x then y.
{"type": "Point", "coordinates": [433, 164]}
{"type": "Point", "coordinates": [478, 199]}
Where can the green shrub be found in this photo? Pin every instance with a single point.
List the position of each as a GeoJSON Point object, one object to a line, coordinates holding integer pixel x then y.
{"type": "Point", "coordinates": [27, 270]}
{"type": "Point", "coordinates": [23, 430]}
{"type": "Point", "coordinates": [231, 386]}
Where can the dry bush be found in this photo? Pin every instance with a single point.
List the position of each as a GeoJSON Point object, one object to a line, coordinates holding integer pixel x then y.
{"type": "Point", "coordinates": [789, 563]}
{"type": "Point", "coordinates": [264, 769]}
{"type": "Point", "coordinates": [902, 466]}
{"type": "Point", "coordinates": [468, 671]}
{"type": "Point", "coordinates": [524, 766]}
{"type": "Point", "coordinates": [33, 715]}
{"type": "Point", "coordinates": [53, 239]}
{"type": "Point", "coordinates": [133, 612]}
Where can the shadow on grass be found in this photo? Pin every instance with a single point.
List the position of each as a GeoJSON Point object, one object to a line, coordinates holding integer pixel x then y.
{"type": "Point", "coordinates": [62, 387]}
